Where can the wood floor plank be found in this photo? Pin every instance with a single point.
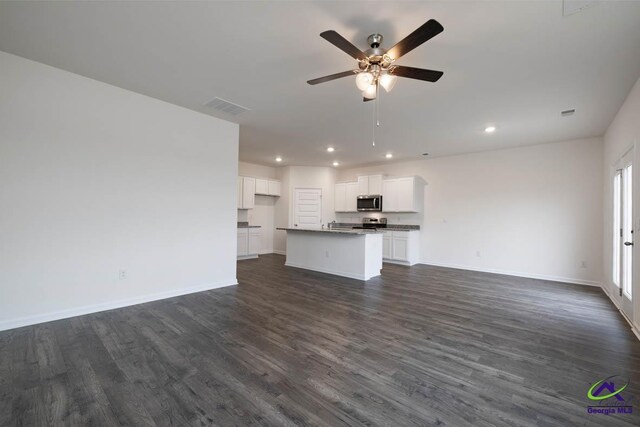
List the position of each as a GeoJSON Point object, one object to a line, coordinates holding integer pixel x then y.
{"type": "Point", "coordinates": [416, 346]}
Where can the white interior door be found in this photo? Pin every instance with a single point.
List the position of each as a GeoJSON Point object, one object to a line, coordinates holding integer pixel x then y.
{"type": "Point", "coordinates": [623, 233]}
{"type": "Point", "coordinates": [307, 208]}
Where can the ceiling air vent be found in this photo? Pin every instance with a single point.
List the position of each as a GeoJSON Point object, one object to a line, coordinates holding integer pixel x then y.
{"type": "Point", "coordinates": [567, 113]}
{"type": "Point", "coordinates": [226, 106]}
{"type": "Point", "coordinates": [570, 7]}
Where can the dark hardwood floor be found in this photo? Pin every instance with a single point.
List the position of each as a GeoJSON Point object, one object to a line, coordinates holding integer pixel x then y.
{"type": "Point", "coordinates": [418, 346]}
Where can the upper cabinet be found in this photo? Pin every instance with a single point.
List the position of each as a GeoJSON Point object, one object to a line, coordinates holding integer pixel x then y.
{"type": "Point", "coordinates": [274, 188]}
{"type": "Point", "coordinates": [352, 197]}
{"type": "Point", "coordinates": [371, 184]}
{"type": "Point", "coordinates": [262, 186]}
{"type": "Point", "coordinates": [346, 197]}
{"type": "Point", "coordinates": [267, 187]}
{"type": "Point", "coordinates": [340, 197]}
{"type": "Point", "coordinates": [246, 192]}
{"type": "Point", "coordinates": [398, 194]}
{"type": "Point", "coordinates": [401, 195]}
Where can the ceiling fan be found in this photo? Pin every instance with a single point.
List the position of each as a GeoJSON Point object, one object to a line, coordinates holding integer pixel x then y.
{"type": "Point", "coordinates": [376, 65]}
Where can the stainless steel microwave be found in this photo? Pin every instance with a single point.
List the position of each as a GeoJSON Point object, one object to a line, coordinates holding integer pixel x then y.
{"type": "Point", "coordinates": [370, 203]}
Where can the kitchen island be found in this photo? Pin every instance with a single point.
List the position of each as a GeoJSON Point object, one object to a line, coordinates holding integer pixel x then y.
{"type": "Point", "coordinates": [344, 252]}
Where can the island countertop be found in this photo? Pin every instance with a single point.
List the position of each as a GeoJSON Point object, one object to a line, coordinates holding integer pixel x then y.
{"type": "Point", "coordinates": [334, 231]}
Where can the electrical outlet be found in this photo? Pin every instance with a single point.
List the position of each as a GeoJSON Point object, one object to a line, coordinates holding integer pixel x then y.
{"type": "Point", "coordinates": [122, 274]}
{"type": "Point", "coordinates": [326, 253]}
{"type": "Point", "coordinates": [583, 264]}
{"type": "Point", "coordinates": [478, 254]}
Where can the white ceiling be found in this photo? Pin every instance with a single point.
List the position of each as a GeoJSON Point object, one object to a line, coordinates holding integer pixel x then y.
{"type": "Point", "coordinates": [514, 64]}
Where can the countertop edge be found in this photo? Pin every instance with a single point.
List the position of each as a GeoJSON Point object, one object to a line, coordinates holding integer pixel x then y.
{"type": "Point", "coordinates": [324, 230]}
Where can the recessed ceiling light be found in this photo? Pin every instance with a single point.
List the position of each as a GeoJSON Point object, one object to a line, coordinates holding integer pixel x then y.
{"type": "Point", "coordinates": [331, 149]}
{"type": "Point", "coordinates": [336, 164]}
{"type": "Point", "coordinates": [425, 154]}
{"type": "Point", "coordinates": [278, 159]}
{"type": "Point", "coordinates": [490, 129]}
{"type": "Point", "coordinates": [389, 155]}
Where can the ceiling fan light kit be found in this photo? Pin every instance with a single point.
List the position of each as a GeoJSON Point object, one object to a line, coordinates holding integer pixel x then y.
{"type": "Point", "coordinates": [376, 64]}
{"type": "Point", "coordinates": [371, 91]}
{"type": "Point", "coordinates": [388, 81]}
{"type": "Point", "coordinates": [363, 80]}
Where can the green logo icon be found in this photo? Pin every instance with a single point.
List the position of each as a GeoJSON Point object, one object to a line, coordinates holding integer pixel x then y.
{"type": "Point", "coordinates": [607, 384]}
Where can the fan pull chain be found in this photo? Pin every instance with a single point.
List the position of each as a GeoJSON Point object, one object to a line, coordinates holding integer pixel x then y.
{"type": "Point", "coordinates": [373, 125]}
{"type": "Point", "coordinates": [377, 101]}
{"type": "Point", "coordinates": [376, 119]}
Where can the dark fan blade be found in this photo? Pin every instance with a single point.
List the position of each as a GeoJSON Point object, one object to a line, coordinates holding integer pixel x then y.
{"type": "Point", "coordinates": [331, 77]}
{"type": "Point", "coordinates": [417, 73]}
{"type": "Point", "coordinates": [343, 44]}
{"type": "Point", "coordinates": [429, 29]}
{"type": "Point", "coordinates": [367, 99]}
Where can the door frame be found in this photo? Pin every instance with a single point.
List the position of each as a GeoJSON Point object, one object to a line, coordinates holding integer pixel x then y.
{"type": "Point", "coordinates": [625, 304]}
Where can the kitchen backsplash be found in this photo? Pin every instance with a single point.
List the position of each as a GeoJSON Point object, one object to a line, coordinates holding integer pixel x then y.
{"type": "Point", "coordinates": [392, 218]}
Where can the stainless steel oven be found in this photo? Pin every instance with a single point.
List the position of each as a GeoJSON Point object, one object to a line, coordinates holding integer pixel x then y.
{"type": "Point", "coordinates": [370, 203]}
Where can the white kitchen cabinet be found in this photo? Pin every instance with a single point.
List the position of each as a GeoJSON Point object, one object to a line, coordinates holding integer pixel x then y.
{"type": "Point", "coordinates": [246, 192]}
{"type": "Point", "coordinates": [243, 242]}
{"type": "Point", "coordinates": [406, 197]}
{"type": "Point", "coordinates": [389, 195]}
{"type": "Point", "coordinates": [375, 184]}
{"type": "Point", "coordinates": [346, 197]}
{"type": "Point", "coordinates": [401, 247]}
{"type": "Point", "coordinates": [340, 197]}
{"type": "Point", "coordinates": [274, 188]}
{"type": "Point", "coordinates": [254, 241]}
{"type": "Point", "coordinates": [363, 185]}
{"type": "Point", "coordinates": [248, 243]}
{"type": "Point", "coordinates": [267, 187]}
{"type": "Point", "coordinates": [262, 186]}
{"type": "Point", "coordinates": [400, 250]}
{"type": "Point", "coordinates": [370, 184]}
{"type": "Point", "coordinates": [386, 245]}
{"type": "Point", "coordinates": [352, 197]}
{"type": "Point", "coordinates": [401, 195]}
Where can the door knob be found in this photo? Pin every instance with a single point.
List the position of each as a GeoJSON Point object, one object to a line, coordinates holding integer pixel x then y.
{"type": "Point", "coordinates": [628, 243]}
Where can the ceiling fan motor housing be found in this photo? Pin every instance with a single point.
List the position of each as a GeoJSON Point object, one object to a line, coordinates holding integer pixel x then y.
{"type": "Point", "coordinates": [376, 55]}
{"type": "Point", "coordinates": [374, 40]}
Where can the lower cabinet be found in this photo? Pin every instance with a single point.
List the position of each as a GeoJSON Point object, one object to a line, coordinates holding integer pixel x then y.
{"type": "Point", "coordinates": [248, 243]}
{"type": "Point", "coordinates": [401, 247]}
{"type": "Point", "coordinates": [254, 241]}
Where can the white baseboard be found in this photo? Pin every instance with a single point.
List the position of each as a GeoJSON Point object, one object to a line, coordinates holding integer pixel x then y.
{"type": "Point", "coordinates": [275, 251]}
{"type": "Point", "coordinates": [94, 308]}
{"type": "Point", "coordinates": [517, 274]}
{"type": "Point", "coordinates": [634, 328]}
{"type": "Point", "coordinates": [335, 273]}
{"type": "Point", "coordinates": [393, 261]}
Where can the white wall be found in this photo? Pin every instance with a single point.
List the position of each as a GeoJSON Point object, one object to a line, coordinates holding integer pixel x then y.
{"type": "Point", "coordinates": [95, 179]}
{"type": "Point", "coordinates": [293, 177]}
{"type": "Point", "coordinates": [263, 213]}
{"type": "Point", "coordinates": [622, 134]}
{"type": "Point", "coordinates": [532, 211]}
